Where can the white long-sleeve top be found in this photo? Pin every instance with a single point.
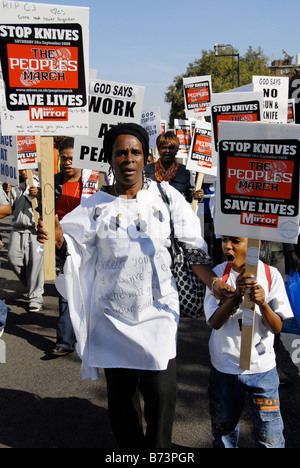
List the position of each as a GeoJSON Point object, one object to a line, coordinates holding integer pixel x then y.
{"type": "Point", "coordinates": [117, 279]}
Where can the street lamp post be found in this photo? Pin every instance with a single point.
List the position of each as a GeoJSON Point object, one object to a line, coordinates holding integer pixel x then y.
{"type": "Point", "coordinates": [217, 54]}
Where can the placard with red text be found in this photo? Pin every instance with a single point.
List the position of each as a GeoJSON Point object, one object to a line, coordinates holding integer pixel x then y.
{"type": "Point", "coordinates": [44, 61]}
{"type": "Point", "coordinates": [258, 181]}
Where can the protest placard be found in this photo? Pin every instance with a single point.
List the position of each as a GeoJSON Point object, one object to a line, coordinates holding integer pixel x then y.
{"type": "Point", "coordinates": [275, 97]}
{"type": "Point", "coordinates": [291, 112]}
{"type": "Point", "coordinates": [8, 159]}
{"type": "Point", "coordinates": [110, 103]}
{"type": "Point", "coordinates": [27, 155]}
{"type": "Point", "coordinates": [200, 155]}
{"type": "Point", "coordinates": [258, 181]}
{"type": "Point", "coordinates": [257, 196]}
{"type": "Point", "coordinates": [151, 122]}
{"type": "Point", "coordinates": [182, 129]}
{"type": "Point", "coordinates": [197, 96]}
{"type": "Point", "coordinates": [44, 60]}
{"type": "Point", "coordinates": [233, 107]}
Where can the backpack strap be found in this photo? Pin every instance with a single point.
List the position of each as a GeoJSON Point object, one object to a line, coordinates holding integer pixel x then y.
{"type": "Point", "coordinates": [226, 273]}
{"type": "Point", "coordinates": [268, 275]}
{"type": "Point", "coordinates": [267, 271]}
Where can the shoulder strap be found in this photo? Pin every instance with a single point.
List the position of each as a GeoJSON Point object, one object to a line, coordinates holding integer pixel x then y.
{"type": "Point", "coordinates": [174, 243]}
{"type": "Point", "coordinates": [226, 273]}
{"type": "Point", "coordinates": [267, 270]}
{"type": "Point", "coordinates": [268, 275]}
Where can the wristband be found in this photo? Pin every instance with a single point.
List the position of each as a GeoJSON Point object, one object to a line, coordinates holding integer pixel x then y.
{"type": "Point", "coordinates": [213, 284]}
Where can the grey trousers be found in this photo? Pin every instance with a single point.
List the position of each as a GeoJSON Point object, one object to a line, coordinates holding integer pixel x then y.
{"type": "Point", "coordinates": [27, 264]}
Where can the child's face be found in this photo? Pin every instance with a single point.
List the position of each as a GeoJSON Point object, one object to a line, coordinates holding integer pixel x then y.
{"type": "Point", "coordinates": [235, 251]}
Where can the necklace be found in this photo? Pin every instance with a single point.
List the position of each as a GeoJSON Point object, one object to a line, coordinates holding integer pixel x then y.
{"type": "Point", "coordinates": [117, 193]}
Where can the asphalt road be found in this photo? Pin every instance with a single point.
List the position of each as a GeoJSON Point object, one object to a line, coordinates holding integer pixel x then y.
{"type": "Point", "coordinates": [45, 404]}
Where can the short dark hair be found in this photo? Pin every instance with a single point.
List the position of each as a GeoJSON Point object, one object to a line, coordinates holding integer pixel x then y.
{"type": "Point", "coordinates": [67, 142]}
{"type": "Point", "coordinates": [125, 129]}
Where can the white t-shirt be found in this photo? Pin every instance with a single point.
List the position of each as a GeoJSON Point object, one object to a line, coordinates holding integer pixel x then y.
{"type": "Point", "coordinates": [122, 296]}
{"type": "Point", "coordinates": [225, 343]}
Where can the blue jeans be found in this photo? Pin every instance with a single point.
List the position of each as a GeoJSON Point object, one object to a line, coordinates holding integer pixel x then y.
{"type": "Point", "coordinates": [3, 315]}
{"type": "Point", "coordinates": [65, 336]}
{"type": "Point", "coordinates": [227, 396]}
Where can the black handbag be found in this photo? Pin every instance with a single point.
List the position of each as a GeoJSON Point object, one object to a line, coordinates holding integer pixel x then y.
{"type": "Point", "coordinates": [191, 289]}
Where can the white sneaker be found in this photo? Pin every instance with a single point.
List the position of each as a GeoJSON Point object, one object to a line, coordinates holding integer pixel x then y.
{"type": "Point", "coordinates": [1, 332]}
{"type": "Point", "coordinates": [35, 308]}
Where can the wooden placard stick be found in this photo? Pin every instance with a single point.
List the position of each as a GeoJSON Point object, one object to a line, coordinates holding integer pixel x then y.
{"type": "Point", "coordinates": [249, 306]}
{"type": "Point", "coordinates": [34, 201]}
{"type": "Point", "coordinates": [46, 172]}
{"type": "Point", "coordinates": [101, 179]}
{"type": "Point", "coordinates": [199, 182]}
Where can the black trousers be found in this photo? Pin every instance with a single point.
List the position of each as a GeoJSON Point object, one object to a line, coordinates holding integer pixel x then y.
{"type": "Point", "coordinates": [159, 390]}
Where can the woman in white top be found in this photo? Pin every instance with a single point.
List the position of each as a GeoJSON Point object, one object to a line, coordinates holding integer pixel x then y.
{"type": "Point", "coordinates": [122, 296]}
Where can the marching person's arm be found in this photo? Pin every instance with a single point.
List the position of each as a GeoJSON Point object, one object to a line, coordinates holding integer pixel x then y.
{"type": "Point", "coordinates": [42, 234]}
{"type": "Point", "coordinates": [5, 210]}
{"type": "Point", "coordinates": [219, 288]}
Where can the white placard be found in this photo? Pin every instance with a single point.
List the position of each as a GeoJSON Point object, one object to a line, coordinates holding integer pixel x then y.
{"type": "Point", "coordinates": [275, 91]}
{"type": "Point", "coordinates": [27, 154]}
{"type": "Point", "coordinates": [291, 119]}
{"type": "Point", "coordinates": [44, 52]}
{"type": "Point", "coordinates": [182, 130]}
{"type": "Point", "coordinates": [151, 122]}
{"type": "Point", "coordinates": [8, 159]}
{"type": "Point", "coordinates": [197, 92]}
{"type": "Point", "coordinates": [110, 103]}
{"type": "Point", "coordinates": [258, 181]}
{"type": "Point", "coordinates": [200, 154]}
{"type": "Point", "coordinates": [233, 107]}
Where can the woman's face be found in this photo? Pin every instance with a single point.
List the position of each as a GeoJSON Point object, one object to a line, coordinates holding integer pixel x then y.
{"type": "Point", "coordinates": [128, 160]}
{"type": "Point", "coordinates": [66, 161]}
{"type": "Point", "coordinates": [167, 152]}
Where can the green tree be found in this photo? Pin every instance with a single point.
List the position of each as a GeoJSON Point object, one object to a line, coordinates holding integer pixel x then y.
{"type": "Point", "coordinates": [254, 62]}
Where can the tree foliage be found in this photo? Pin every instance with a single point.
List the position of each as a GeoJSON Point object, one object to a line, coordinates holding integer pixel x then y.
{"type": "Point", "coordinates": [254, 62]}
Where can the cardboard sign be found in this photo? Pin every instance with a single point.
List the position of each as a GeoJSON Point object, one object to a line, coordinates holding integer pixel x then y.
{"type": "Point", "coordinates": [44, 60]}
{"type": "Point", "coordinates": [200, 154]}
{"type": "Point", "coordinates": [151, 122]}
{"type": "Point", "coordinates": [27, 155]}
{"type": "Point", "coordinates": [110, 103]}
{"type": "Point", "coordinates": [182, 130]}
{"type": "Point", "coordinates": [275, 97]}
{"type": "Point", "coordinates": [258, 181]}
{"type": "Point", "coordinates": [291, 111]}
{"type": "Point", "coordinates": [8, 159]}
{"type": "Point", "coordinates": [163, 124]}
{"type": "Point", "coordinates": [233, 107]}
{"type": "Point", "coordinates": [197, 96]}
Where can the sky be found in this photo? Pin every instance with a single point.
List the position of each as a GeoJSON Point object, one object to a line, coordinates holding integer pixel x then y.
{"type": "Point", "coordinates": [148, 43]}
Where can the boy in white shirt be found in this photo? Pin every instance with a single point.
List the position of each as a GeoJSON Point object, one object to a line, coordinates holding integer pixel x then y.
{"type": "Point", "coordinates": [229, 383]}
